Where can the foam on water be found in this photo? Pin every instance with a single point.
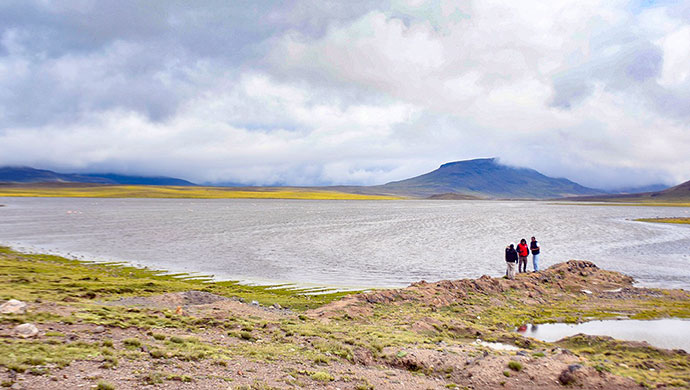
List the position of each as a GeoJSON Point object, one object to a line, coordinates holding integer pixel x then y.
{"type": "Point", "coordinates": [347, 243]}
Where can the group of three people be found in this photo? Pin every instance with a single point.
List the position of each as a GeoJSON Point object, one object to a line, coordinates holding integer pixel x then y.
{"type": "Point", "coordinates": [519, 255]}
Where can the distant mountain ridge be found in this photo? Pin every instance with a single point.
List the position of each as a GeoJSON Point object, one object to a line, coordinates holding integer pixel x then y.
{"type": "Point", "coordinates": [32, 175]}
{"type": "Point", "coordinates": [486, 178]}
{"type": "Point", "coordinates": [676, 194]}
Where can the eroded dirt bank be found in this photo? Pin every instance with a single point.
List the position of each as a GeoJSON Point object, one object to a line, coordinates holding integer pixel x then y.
{"type": "Point", "coordinates": [118, 327]}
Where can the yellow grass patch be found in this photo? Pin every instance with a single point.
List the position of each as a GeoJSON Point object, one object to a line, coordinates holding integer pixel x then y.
{"type": "Point", "coordinates": [666, 220]}
{"type": "Point", "coordinates": [133, 191]}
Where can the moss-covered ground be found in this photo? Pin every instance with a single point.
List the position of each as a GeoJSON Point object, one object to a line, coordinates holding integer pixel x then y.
{"type": "Point", "coordinates": [316, 339]}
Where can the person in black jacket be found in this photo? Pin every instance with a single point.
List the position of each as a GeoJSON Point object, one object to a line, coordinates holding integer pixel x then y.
{"type": "Point", "coordinates": [511, 259]}
{"type": "Point", "coordinates": [535, 249]}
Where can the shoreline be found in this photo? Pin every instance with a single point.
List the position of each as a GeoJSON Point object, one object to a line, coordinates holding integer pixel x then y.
{"type": "Point", "coordinates": [673, 220]}
{"type": "Point", "coordinates": [128, 327]}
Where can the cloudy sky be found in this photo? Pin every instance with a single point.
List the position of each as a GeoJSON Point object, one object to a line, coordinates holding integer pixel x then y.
{"type": "Point", "coordinates": [346, 92]}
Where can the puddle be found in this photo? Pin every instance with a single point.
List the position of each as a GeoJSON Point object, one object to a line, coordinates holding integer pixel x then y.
{"type": "Point", "coordinates": [497, 346]}
{"type": "Point", "coordinates": [669, 333]}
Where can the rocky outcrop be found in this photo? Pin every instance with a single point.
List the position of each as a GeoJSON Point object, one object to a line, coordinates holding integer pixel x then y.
{"type": "Point", "coordinates": [568, 277]}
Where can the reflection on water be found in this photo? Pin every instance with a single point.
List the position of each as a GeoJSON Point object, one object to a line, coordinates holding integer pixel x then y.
{"type": "Point", "coordinates": [667, 333]}
{"type": "Point", "coordinates": [347, 243]}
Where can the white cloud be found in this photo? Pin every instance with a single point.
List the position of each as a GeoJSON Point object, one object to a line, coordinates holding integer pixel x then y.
{"type": "Point", "coordinates": [364, 93]}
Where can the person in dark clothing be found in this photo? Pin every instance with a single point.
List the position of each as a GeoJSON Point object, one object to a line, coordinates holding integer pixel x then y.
{"type": "Point", "coordinates": [511, 259]}
{"type": "Point", "coordinates": [523, 252]}
{"type": "Point", "coordinates": [534, 247]}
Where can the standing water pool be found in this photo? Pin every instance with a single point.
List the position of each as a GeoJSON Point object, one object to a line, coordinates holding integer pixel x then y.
{"type": "Point", "coordinates": [669, 333]}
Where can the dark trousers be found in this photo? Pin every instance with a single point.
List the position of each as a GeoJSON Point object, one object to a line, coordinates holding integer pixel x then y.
{"type": "Point", "coordinates": [522, 263]}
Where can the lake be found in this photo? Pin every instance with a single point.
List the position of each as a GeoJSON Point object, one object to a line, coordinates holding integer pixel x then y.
{"type": "Point", "coordinates": [347, 244]}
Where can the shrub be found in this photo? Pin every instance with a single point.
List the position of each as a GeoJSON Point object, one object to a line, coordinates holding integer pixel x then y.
{"type": "Point", "coordinates": [157, 354]}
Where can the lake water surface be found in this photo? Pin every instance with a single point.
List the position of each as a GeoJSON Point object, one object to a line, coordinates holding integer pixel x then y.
{"type": "Point", "coordinates": [347, 243]}
{"type": "Point", "coordinates": [666, 333]}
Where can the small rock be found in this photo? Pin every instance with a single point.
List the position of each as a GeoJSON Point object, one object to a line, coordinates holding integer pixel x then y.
{"type": "Point", "coordinates": [255, 303]}
{"type": "Point", "coordinates": [242, 300]}
{"type": "Point", "coordinates": [586, 292]}
{"type": "Point", "coordinates": [26, 330]}
{"type": "Point", "coordinates": [13, 306]}
{"type": "Point", "coordinates": [277, 306]}
{"type": "Point", "coordinates": [521, 353]}
{"type": "Point", "coordinates": [574, 367]}
{"type": "Point", "coordinates": [99, 329]}
{"type": "Point", "coordinates": [16, 386]}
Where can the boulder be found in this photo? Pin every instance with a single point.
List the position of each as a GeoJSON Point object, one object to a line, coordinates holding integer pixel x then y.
{"type": "Point", "coordinates": [25, 330]}
{"type": "Point", "coordinates": [13, 306]}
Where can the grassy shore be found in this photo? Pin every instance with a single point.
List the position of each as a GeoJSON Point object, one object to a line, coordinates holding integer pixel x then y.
{"type": "Point", "coordinates": [121, 327]}
{"type": "Point", "coordinates": [190, 192]}
{"type": "Point", "coordinates": [621, 203]}
{"type": "Point", "coordinates": [683, 221]}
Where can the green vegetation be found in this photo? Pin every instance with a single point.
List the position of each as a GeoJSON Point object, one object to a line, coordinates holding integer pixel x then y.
{"type": "Point", "coordinates": [678, 220]}
{"type": "Point", "coordinates": [515, 366]}
{"type": "Point", "coordinates": [54, 278]}
{"type": "Point", "coordinates": [322, 376]}
{"type": "Point", "coordinates": [192, 192]}
{"type": "Point", "coordinates": [103, 385]}
{"type": "Point", "coordinates": [638, 361]}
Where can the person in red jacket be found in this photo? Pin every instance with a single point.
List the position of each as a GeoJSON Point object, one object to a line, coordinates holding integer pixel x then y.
{"type": "Point", "coordinates": [523, 253]}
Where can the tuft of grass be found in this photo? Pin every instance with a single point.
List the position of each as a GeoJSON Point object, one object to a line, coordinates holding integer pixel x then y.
{"type": "Point", "coordinates": [109, 362]}
{"type": "Point", "coordinates": [514, 365]}
{"type": "Point", "coordinates": [35, 361]}
{"type": "Point", "coordinates": [322, 376]}
{"type": "Point", "coordinates": [132, 343]}
{"type": "Point", "coordinates": [103, 385]}
{"type": "Point", "coordinates": [152, 378]}
{"type": "Point", "coordinates": [157, 354]}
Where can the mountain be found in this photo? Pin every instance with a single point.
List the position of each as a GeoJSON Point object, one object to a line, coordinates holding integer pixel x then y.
{"type": "Point", "coordinates": [637, 190]}
{"type": "Point", "coordinates": [677, 194]}
{"type": "Point", "coordinates": [485, 178]}
{"type": "Point", "coordinates": [32, 175]}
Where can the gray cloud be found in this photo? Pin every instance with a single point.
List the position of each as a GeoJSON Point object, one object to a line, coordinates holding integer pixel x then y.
{"type": "Point", "coordinates": [320, 92]}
